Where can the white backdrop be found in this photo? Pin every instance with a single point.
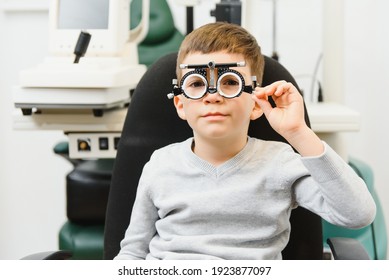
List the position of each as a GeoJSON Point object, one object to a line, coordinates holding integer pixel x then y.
{"type": "Point", "coordinates": [32, 178]}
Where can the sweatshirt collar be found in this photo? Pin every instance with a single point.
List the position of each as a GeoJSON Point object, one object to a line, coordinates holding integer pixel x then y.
{"type": "Point", "coordinates": [218, 171]}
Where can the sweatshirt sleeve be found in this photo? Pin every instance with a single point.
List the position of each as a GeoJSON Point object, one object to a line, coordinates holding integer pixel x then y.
{"type": "Point", "coordinates": [334, 191]}
{"type": "Point", "coordinates": [135, 245]}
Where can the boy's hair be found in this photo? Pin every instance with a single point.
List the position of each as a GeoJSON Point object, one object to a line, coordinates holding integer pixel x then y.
{"type": "Point", "coordinates": [222, 36]}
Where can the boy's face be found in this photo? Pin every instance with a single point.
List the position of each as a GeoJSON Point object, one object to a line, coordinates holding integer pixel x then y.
{"type": "Point", "coordinates": [213, 116]}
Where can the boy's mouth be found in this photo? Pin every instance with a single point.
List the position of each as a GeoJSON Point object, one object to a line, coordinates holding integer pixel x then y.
{"type": "Point", "coordinates": [214, 114]}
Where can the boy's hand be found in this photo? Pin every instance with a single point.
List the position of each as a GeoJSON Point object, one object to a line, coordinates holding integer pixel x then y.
{"type": "Point", "coordinates": [287, 118]}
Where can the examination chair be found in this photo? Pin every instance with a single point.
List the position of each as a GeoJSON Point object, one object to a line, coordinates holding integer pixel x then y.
{"type": "Point", "coordinates": [87, 185]}
{"type": "Point", "coordinates": [152, 122]}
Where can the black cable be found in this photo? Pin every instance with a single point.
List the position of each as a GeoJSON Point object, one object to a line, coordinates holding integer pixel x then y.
{"type": "Point", "coordinates": [320, 93]}
{"type": "Point", "coordinates": [275, 54]}
{"type": "Point", "coordinates": [82, 45]}
{"type": "Point", "coordinates": [189, 19]}
{"type": "Point", "coordinates": [314, 78]}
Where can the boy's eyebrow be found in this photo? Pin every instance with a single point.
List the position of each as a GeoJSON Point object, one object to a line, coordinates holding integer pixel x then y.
{"type": "Point", "coordinates": [212, 64]}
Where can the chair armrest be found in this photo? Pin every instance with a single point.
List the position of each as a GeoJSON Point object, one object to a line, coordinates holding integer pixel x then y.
{"type": "Point", "coordinates": [50, 255]}
{"type": "Point", "coordinates": [347, 249]}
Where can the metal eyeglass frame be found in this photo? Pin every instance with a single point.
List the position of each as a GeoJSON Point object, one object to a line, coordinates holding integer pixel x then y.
{"type": "Point", "coordinates": [201, 69]}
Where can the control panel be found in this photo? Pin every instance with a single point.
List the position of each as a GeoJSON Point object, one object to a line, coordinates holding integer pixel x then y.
{"type": "Point", "coordinates": [93, 145]}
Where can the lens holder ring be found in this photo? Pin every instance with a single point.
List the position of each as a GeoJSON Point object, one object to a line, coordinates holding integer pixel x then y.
{"type": "Point", "coordinates": [200, 72]}
{"type": "Point", "coordinates": [224, 71]}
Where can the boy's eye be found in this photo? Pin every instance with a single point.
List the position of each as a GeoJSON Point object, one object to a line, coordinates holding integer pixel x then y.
{"type": "Point", "coordinates": [230, 82]}
{"type": "Point", "coordinates": [196, 84]}
{"type": "Point", "coordinates": [194, 81]}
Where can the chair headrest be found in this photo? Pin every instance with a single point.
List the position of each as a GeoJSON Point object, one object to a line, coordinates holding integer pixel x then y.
{"type": "Point", "coordinates": [161, 25]}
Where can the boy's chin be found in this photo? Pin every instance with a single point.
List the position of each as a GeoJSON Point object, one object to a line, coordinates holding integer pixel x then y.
{"type": "Point", "coordinates": [217, 135]}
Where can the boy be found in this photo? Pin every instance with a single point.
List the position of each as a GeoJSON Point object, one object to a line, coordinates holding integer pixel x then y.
{"type": "Point", "coordinates": [222, 194]}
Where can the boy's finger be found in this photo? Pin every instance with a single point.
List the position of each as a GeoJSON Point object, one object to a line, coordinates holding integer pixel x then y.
{"type": "Point", "coordinates": [282, 87]}
{"type": "Point", "coordinates": [262, 92]}
{"type": "Point", "coordinates": [263, 103]}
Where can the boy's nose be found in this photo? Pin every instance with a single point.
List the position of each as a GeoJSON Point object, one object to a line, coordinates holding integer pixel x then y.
{"type": "Point", "coordinates": [213, 97]}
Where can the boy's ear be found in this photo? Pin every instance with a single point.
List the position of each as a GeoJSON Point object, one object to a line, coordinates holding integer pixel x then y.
{"type": "Point", "coordinates": [256, 112]}
{"type": "Point", "coordinates": [179, 107]}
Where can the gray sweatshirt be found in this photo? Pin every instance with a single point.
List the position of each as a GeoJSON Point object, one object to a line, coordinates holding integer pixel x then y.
{"type": "Point", "coordinates": [187, 208]}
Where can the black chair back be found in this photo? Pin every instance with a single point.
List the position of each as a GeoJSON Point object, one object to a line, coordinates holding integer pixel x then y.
{"type": "Point", "coordinates": [152, 123]}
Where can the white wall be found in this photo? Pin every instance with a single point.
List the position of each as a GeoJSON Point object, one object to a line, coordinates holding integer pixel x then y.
{"type": "Point", "coordinates": [32, 179]}
{"type": "Point", "coordinates": [366, 74]}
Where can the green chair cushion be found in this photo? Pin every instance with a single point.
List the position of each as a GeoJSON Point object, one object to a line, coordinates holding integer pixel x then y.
{"type": "Point", "coordinates": [161, 23]}
{"type": "Point", "coordinates": [148, 54]}
{"type": "Point", "coordinates": [372, 237]}
{"type": "Point", "coordinates": [86, 242]}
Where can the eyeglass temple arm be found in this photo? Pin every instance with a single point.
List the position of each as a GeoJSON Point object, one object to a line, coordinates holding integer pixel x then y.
{"type": "Point", "coordinates": [212, 64]}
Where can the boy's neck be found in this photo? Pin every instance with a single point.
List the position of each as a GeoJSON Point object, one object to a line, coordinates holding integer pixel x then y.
{"type": "Point", "coordinates": [218, 151]}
